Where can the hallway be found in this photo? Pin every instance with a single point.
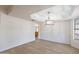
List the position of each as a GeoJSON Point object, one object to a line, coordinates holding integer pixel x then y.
{"type": "Point", "coordinates": [42, 47]}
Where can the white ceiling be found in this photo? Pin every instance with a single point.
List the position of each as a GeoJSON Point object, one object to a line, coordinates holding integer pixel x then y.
{"type": "Point", "coordinates": [24, 11]}
{"type": "Point", "coordinates": [5, 8]}
{"type": "Point", "coordinates": [59, 12]}
{"type": "Point", "coordinates": [40, 12]}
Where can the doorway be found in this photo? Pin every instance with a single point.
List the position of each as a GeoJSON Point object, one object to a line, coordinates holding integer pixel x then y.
{"type": "Point", "coordinates": [36, 31]}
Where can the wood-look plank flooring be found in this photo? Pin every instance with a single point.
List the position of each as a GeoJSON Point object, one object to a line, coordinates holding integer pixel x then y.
{"type": "Point", "coordinates": [42, 47]}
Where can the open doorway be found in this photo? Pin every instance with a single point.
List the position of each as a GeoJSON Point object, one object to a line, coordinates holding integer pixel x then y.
{"type": "Point", "coordinates": [36, 31]}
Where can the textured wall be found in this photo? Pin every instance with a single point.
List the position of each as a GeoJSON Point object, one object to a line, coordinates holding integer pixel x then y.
{"type": "Point", "coordinates": [15, 31]}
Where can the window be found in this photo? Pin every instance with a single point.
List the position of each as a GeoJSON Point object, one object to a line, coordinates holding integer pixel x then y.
{"type": "Point", "coordinates": [36, 27]}
{"type": "Point", "coordinates": [76, 28]}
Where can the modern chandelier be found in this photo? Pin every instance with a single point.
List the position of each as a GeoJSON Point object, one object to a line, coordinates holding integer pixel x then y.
{"type": "Point", "coordinates": [49, 21]}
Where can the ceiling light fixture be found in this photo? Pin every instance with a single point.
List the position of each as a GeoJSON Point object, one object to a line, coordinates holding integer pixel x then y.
{"type": "Point", "coordinates": [49, 21]}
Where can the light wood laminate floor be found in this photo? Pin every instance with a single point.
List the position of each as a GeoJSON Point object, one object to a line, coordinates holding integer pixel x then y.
{"type": "Point", "coordinates": [42, 47]}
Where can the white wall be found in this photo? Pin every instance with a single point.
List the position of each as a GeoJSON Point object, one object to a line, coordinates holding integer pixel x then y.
{"type": "Point", "coordinates": [15, 31]}
{"type": "Point", "coordinates": [59, 32]}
